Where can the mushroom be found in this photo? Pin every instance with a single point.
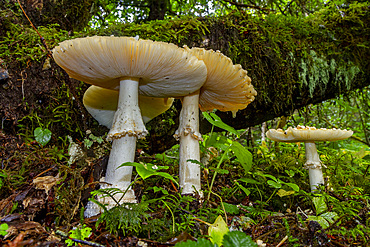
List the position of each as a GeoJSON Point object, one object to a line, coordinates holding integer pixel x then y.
{"type": "Point", "coordinates": [227, 88]}
{"type": "Point", "coordinates": [131, 66]}
{"type": "Point", "coordinates": [309, 135]}
{"type": "Point", "coordinates": [102, 103]}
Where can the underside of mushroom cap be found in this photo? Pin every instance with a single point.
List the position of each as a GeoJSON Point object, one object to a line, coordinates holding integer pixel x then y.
{"type": "Point", "coordinates": [307, 134]}
{"type": "Point", "coordinates": [101, 103]}
{"type": "Point", "coordinates": [164, 69]}
{"type": "Point", "coordinates": [228, 87]}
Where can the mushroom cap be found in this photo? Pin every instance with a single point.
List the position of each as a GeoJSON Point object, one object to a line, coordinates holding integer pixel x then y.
{"type": "Point", "coordinates": [307, 134]}
{"type": "Point", "coordinates": [164, 69]}
{"type": "Point", "coordinates": [228, 87]}
{"type": "Point", "coordinates": [102, 103]}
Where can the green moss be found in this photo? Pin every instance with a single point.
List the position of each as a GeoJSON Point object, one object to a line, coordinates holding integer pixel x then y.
{"type": "Point", "coordinates": [281, 52]}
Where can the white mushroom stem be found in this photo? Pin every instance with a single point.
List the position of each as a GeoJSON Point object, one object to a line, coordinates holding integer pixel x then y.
{"type": "Point", "coordinates": [188, 133]}
{"type": "Point", "coordinates": [127, 126]}
{"type": "Point", "coordinates": [313, 164]}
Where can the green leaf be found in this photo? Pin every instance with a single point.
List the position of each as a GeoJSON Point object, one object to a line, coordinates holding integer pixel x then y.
{"type": "Point", "coordinates": [249, 181]}
{"type": "Point", "coordinates": [219, 170]}
{"type": "Point", "coordinates": [42, 136]}
{"type": "Point", "coordinates": [216, 121]}
{"type": "Point", "coordinates": [323, 222]}
{"type": "Point", "coordinates": [269, 176]}
{"type": "Point", "coordinates": [320, 204]}
{"type": "Point", "coordinates": [202, 242]}
{"type": "Point", "coordinates": [245, 190]}
{"type": "Point", "coordinates": [156, 189]}
{"type": "Point", "coordinates": [330, 216]}
{"type": "Point", "coordinates": [217, 230]}
{"type": "Point", "coordinates": [238, 239]}
{"type": "Point", "coordinates": [274, 184]}
{"type": "Point", "coordinates": [293, 186]}
{"type": "Point", "coordinates": [147, 170]}
{"type": "Point", "coordinates": [282, 192]}
{"type": "Point", "coordinates": [230, 208]}
{"type": "Point", "coordinates": [243, 155]}
{"type": "Point", "coordinates": [3, 228]}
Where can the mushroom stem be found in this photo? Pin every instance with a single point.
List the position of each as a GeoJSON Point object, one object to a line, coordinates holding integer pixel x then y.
{"type": "Point", "coordinates": [313, 164]}
{"type": "Point", "coordinates": [127, 126]}
{"type": "Point", "coordinates": [188, 133]}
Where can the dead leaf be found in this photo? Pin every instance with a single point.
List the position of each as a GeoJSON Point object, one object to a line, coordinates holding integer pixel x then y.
{"type": "Point", "coordinates": [45, 183]}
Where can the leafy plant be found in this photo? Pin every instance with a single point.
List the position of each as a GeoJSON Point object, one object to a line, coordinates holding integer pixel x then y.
{"type": "Point", "coordinates": [230, 239]}
{"type": "Point", "coordinates": [42, 135]}
{"type": "Point", "coordinates": [323, 217]}
{"type": "Point", "coordinates": [80, 233]}
{"type": "Point", "coordinates": [217, 230]}
{"type": "Point", "coordinates": [127, 217]}
{"type": "Point", "coordinates": [3, 228]}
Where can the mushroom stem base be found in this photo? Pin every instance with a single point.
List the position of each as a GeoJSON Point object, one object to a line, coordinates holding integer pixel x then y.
{"type": "Point", "coordinates": [316, 178]}
{"type": "Point", "coordinates": [313, 164]}
{"type": "Point", "coordinates": [123, 150]}
{"type": "Point", "coordinates": [188, 132]}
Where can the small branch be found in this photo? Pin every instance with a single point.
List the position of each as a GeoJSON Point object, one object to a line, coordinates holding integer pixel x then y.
{"type": "Point", "coordinates": [247, 6]}
{"type": "Point", "coordinates": [41, 38]}
{"type": "Point", "coordinates": [282, 241]}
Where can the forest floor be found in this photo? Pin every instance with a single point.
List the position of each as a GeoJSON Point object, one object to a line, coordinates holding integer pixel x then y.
{"type": "Point", "coordinates": [42, 193]}
{"type": "Point", "coordinates": [32, 210]}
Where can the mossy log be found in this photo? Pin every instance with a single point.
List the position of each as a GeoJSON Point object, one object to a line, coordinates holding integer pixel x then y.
{"type": "Point", "coordinates": [292, 61]}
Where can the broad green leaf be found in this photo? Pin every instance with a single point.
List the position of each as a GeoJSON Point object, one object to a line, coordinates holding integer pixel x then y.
{"type": "Point", "coordinates": [42, 136]}
{"type": "Point", "coordinates": [320, 204]}
{"type": "Point", "coordinates": [293, 186]}
{"type": "Point", "coordinates": [3, 228]}
{"type": "Point", "coordinates": [230, 208]}
{"type": "Point", "coordinates": [218, 141]}
{"type": "Point", "coordinates": [274, 184]}
{"type": "Point", "coordinates": [238, 239]}
{"type": "Point", "coordinates": [323, 222]}
{"type": "Point", "coordinates": [282, 192]}
{"type": "Point", "coordinates": [219, 170]}
{"type": "Point", "coordinates": [330, 216]}
{"type": "Point", "coordinates": [202, 242]}
{"type": "Point", "coordinates": [246, 191]}
{"type": "Point", "coordinates": [147, 170]}
{"type": "Point", "coordinates": [269, 176]}
{"type": "Point", "coordinates": [216, 121]}
{"type": "Point", "coordinates": [156, 189]}
{"type": "Point", "coordinates": [217, 230]}
{"type": "Point", "coordinates": [243, 155]}
{"type": "Point", "coordinates": [249, 181]}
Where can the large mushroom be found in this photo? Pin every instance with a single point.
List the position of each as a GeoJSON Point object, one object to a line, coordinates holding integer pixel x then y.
{"type": "Point", "coordinates": [131, 66]}
{"type": "Point", "coordinates": [227, 88]}
{"type": "Point", "coordinates": [309, 135]}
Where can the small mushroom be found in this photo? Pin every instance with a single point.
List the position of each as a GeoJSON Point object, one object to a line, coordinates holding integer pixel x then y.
{"type": "Point", "coordinates": [102, 103]}
{"type": "Point", "coordinates": [309, 135]}
{"type": "Point", "coordinates": [132, 67]}
{"type": "Point", "coordinates": [227, 88]}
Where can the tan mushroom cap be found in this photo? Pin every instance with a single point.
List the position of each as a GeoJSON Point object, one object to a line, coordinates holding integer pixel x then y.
{"type": "Point", "coordinates": [307, 134]}
{"type": "Point", "coordinates": [228, 87]}
{"type": "Point", "coordinates": [101, 103]}
{"type": "Point", "coordinates": [164, 69]}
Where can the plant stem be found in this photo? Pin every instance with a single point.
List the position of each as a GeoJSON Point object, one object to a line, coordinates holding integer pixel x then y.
{"type": "Point", "coordinates": [214, 174]}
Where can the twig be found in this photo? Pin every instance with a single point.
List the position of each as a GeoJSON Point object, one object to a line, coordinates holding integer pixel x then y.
{"type": "Point", "coordinates": [23, 84]}
{"type": "Point", "coordinates": [41, 38]}
{"type": "Point", "coordinates": [65, 235]}
{"type": "Point", "coordinates": [282, 241]}
{"type": "Point", "coordinates": [45, 171]}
